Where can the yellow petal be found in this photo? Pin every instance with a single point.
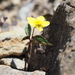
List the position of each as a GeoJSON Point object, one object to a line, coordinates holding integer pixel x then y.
{"type": "Point", "coordinates": [41, 18]}
{"type": "Point", "coordinates": [45, 23]}
{"type": "Point", "coordinates": [40, 29]}
{"type": "Point", "coordinates": [31, 19]}
{"type": "Point", "coordinates": [31, 23]}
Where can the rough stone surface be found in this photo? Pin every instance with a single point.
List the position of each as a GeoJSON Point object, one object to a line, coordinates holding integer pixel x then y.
{"type": "Point", "coordinates": [58, 59]}
{"type": "Point", "coordinates": [6, 70]}
{"type": "Point", "coordinates": [11, 43]}
{"type": "Point", "coordinates": [14, 62]}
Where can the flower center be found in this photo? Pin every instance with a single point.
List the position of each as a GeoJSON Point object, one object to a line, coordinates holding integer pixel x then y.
{"type": "Point", "coordinates": [38, 25]}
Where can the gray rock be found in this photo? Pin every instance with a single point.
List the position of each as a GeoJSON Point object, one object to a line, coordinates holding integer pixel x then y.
{"type": "Point", "coordinates": [6, 70]}
{"type": "Point", "coordinates": [14, 62]}
{"type": "Point", "coordinates": [12, 45]}
{"type": "Point", "coordinates": [56, 4]}
{"type": "Point", "coordinates": [24, 11]}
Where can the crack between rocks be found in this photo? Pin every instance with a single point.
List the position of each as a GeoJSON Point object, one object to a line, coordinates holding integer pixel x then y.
{"type": "Point", "coordinates": [70, 5]}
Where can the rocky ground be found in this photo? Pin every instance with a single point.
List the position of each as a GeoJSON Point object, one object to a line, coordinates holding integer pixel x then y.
{"type": "Point", "coordinates": [18, 10]}
{"type": "Point", "coordinates": [56, 60]}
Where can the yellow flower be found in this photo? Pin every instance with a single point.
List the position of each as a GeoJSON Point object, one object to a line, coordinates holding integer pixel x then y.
{"type": "Point", "coordinates": [39, 22]}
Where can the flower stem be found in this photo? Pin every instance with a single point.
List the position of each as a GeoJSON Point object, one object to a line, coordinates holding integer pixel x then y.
{"type": "Point", "coordinates": [28, 55]}
{"type": "Point", "coordinates": [29, 51]}
{"type": "Point", "coordinates": [32, 33]}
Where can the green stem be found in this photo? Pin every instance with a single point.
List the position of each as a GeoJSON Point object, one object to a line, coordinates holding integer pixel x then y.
{"type": "Point", "coordinates": [32, 33]}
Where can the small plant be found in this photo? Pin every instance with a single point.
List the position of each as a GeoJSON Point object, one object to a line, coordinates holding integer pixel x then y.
{"type": "Point", "coordinates": [38, 23]}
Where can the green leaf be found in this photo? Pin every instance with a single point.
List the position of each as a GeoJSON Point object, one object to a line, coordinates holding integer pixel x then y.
{"type": "Point", "coordinates": [41, 40]}
{"type": "Point", "coordinates": [28, 30]}
{"type": "Point", "coordinates": [26, 37]}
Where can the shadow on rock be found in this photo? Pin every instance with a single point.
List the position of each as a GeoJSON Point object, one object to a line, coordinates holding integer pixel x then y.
{"type": "Point", "coordinates": [58, 33]}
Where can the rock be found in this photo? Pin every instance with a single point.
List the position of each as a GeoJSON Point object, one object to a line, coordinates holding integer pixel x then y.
{"type": "Point", "coordinates": [56, 4]}
{"type": "Point", "coordinates": [13, 62]}
{"type": "Point", "coordinates": [37, 8]}
{"type": "Point", "coordinates": [12, 34]}
{"type": "Point", "coordinates": [6, 70]}
{"type": "Point", "coordinates": [4, 4]}
{"type": "Point", "coordinates": [16, 2]}
{"type": "Point", "coordinates": [19, 9]}
{"type": "Point", "coordinates": [24, 11]}
{"type": "Point", "coordinates": [11, 43]}
{"type": "Point", "coordinates": [58, 59]}
{"type": "Point", "coordinates": [70, 3]}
